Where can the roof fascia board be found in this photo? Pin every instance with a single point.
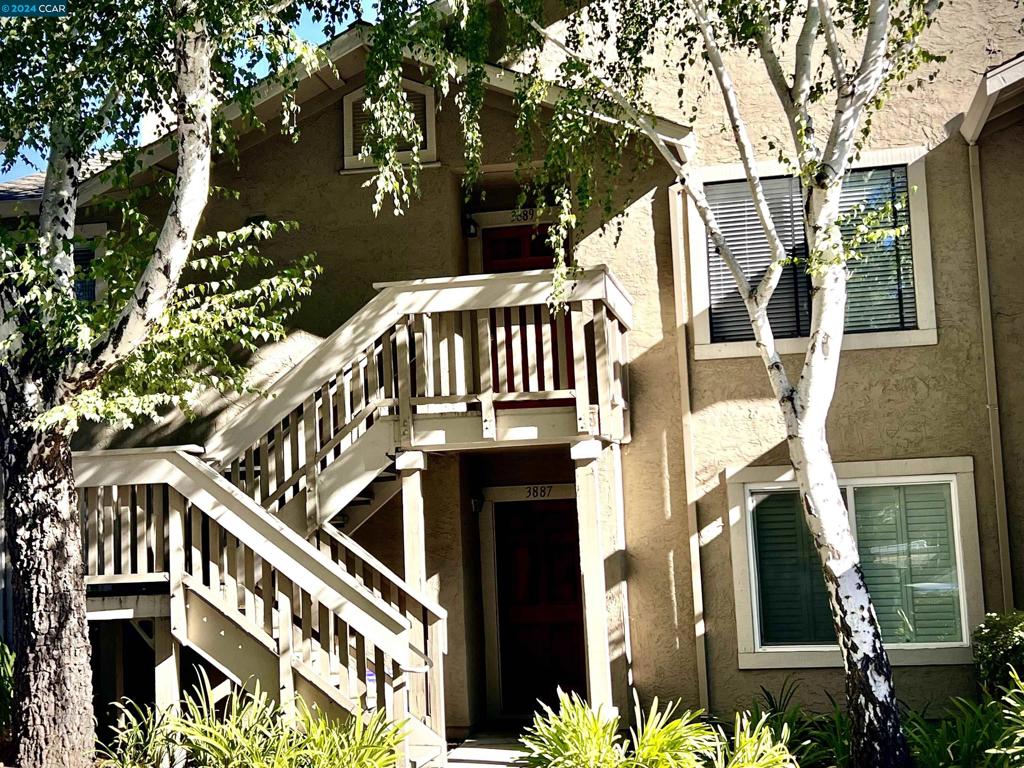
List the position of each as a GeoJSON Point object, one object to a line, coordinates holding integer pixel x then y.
{"type": "Point", "coordinates": [991, 86]}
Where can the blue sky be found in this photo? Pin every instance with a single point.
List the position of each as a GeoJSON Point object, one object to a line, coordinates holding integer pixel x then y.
{"type": "Point", "coordinates": [310, 31]}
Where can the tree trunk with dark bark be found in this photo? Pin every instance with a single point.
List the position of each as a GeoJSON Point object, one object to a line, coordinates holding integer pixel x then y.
{"type": "Point", "coordinates": [52, 719]}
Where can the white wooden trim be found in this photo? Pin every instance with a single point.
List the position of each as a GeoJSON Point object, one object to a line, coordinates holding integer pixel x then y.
{"type": "Point", "coordinates": [694, 234]}
{"type": "Point", "coordinates": [427, 155]}
{"type": "Point", "coordinates": [988, 94]}
{"type": "Point", "coordinates": [240, 515]}
{"type": "Point", "coordinates": [957, 471]}
{"type": "Point", "coordinates": [395, 300]}
{"type": "Point", "coordinates": [489, 592]}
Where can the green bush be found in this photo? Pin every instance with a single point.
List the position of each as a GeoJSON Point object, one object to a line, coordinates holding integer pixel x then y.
{"type": "Point", "coordinates": [247, 731]}
{"type": "Point", "coordinates": [999, 645]}
{"type": "Point", "coordinates": [966, 736]}
{"type": "Point", "coordinates": [578, 736]}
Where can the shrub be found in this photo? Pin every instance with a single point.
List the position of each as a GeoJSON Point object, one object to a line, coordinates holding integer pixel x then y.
{"type": "Point", "coordinates": [966, 736]}
{"type": "Point", "coordinates": [1011, 744]}
{"type": "Point", "coordinates": [577, 736]}
{"type": "Point", "coordinates": [247, 731]}
{"type": "Point", "coordinates": [999, 645]}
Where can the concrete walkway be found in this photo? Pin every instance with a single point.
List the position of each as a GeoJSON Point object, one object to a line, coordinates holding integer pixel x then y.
{"type": "Point", "coordinates": [485, 752]}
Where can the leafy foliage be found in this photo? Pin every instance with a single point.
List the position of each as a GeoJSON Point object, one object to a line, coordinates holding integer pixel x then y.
{"type": "Point", "coordinates": [578, 736]}
{"type": "Point", "coordinates": [998, 644]}
{"type": "Point", "coordinates": [248, 731]}
{"type": "Point", "coordinates": [965, 736]}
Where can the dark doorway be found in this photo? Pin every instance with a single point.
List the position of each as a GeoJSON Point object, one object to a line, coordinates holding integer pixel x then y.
{"type": "Point", "coordinates": [540, 604]}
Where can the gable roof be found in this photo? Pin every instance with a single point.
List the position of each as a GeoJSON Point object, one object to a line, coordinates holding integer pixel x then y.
{"type": "Point", "coordinates": [1000, 92]}
{"type": "Point", "coordinates": [22, 195]}
{"type": "Point", "coordinates": [28, 187]}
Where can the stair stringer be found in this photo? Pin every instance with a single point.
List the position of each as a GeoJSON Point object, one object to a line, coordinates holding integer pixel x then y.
{"type": "Point", "coordinates": [370, 454]}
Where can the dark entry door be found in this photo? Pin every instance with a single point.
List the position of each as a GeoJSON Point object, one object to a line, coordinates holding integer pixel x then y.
{"type": "Point", "coordinates": [540, 605]}
{"type": "Point", "coordinates": [514, 248]}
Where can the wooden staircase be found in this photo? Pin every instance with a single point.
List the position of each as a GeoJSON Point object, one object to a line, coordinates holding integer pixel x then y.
{"type": "Point", "coordinates": [244, 545]}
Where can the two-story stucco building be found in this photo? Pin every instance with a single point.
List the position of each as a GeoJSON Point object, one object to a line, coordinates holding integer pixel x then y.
{"type": "Point", "coordinates": [456, 500]}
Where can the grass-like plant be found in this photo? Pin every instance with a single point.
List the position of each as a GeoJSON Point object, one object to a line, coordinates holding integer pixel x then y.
{"type": "Point", "coordinates": [247, 730]}
{"type": "Point", "coordinates": [576, 736]}
{"type": "Point", "coordinates": [579, 736]}
{"type": "Point", "coordinates": [662, 741]}
{"type": "Point", "coordinates": [755, 744]}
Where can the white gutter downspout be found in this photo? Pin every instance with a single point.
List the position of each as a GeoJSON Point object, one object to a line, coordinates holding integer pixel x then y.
{"type": "Point", "coordinates": [677, 228]}
{"type": "Point", "coordinates": [991, 385]}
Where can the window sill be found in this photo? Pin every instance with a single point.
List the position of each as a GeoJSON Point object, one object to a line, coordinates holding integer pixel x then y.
{"type": "Point", "coordinates": [878, 340]}
{"type": "Point", "coordinates": [805, 657]}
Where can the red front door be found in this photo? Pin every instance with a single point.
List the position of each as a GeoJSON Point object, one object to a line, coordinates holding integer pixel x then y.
{"type": "Point", "coordinates": [540, 604]}
{"type": "Point", "coordinates": [512, 249]}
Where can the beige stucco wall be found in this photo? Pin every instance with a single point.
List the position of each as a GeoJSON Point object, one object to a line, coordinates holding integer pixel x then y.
{"type": "Point", "coordinates": [890, 403]}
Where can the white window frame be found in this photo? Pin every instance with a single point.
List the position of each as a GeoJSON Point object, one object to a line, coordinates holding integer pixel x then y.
{"type": "Point", "coordinates": [427, 155]}
{"type": "Point", "coordinates": [742, 484]}
{"type": "Point", "coordinates": [920, 241]}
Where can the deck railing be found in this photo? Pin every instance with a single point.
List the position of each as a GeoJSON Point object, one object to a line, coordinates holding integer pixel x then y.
{"type": "Point", "coordinates": [341, 621]}
{"type": "Point", "coordinates": [474, 344]}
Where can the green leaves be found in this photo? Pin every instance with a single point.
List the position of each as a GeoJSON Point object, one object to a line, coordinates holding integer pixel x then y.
{"type": "Point", "coordinates": [577, 736]}
{"type": "Point", "coordinates": [233, 299]}
{"type": "Point", "coordinates": [248, 730]}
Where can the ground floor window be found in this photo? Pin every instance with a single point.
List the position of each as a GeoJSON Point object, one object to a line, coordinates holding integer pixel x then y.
{"type": "Point", "coordinates": [906, 539]}
{"type": "Point", "coordinates": [917, 537]}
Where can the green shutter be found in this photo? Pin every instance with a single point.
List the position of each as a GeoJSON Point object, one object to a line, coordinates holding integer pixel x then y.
{"type": "Point", "coordinates": [791, 590]}
{"type": "Point", "coordinates": [908, 555]}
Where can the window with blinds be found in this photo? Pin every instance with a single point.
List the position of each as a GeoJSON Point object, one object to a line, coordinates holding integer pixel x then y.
{"type": "Point", "coordinates": [361, 119]}
{"type": "Point", "coordinates": [85, 285]}
{"type": "Point", "coordinates": [908, 554]}
{"type": "Point", "coordinates": [881, 289]}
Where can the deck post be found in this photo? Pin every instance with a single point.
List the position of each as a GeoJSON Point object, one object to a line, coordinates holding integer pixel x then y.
{"type": "Point", "coordinates": [599, 622]}
{"type": "Point", "coordinates": [166, 652]}
{"type": "Point", "coordinates": [410, 465]}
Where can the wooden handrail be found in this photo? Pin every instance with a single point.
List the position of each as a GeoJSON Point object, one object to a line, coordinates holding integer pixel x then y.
{"type": "Point", "coordinates": [397, 300]}
{"type": "Point", "coordinates": [257, 529]}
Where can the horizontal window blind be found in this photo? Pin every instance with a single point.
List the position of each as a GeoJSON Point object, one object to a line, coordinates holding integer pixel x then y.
{"type": "Point", "coordinates": [361, 118]}
{"type": "Point", "coordinates": [85, 285]}
{"type": "Point", "coordinates": [791, 590]}
{"type": "Point", "coordinates": [881, 287]}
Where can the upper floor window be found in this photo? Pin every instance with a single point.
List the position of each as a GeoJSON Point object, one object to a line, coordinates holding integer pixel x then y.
{"type": "Point", "coordinates": [85, 283]}
{"type": "Point", "coordinates": [889, 300]}
{"type": "Point", "coordinates": [357, 118]}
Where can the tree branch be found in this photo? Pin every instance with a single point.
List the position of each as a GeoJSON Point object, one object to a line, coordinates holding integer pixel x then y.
{"type": "Point", "coordinates": [756, 302]}
{"type": "Point", "coordinates": [58, 209]}
{"type": "Point", "coordinates": [835, 49]}
{"type": "Point", "coordinates": [768, 283]}
{"type": "Point", "coordinates": [193, 52]}
{"type": "Point", "coordinates": [803, 64]}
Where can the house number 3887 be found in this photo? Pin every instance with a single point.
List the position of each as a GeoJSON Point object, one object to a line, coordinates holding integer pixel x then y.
{"type": "Point", "coordinates": [538, 491]}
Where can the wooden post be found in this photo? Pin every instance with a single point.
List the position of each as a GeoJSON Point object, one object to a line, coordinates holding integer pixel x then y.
{"type": "Point", "coordinates": [483, 346]}
{"type": "Point", "coordinates": [595, 614]}
{"type": "Point", "coordinates": [286, 683]}
{"type": "Point", "coordinates": [410, 465]}
{"type": "Point", "coordinates": [166, 652]}
{"type": "Point", "coordinates": [404, 383]}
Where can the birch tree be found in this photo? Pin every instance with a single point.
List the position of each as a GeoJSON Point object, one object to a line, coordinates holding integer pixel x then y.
{"type": "Point", "coordinates": [827, 106]}
{"type": "Point", "coordinates": [175, 310]}
{"type": "Point", "coordinates": [832, 65]}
